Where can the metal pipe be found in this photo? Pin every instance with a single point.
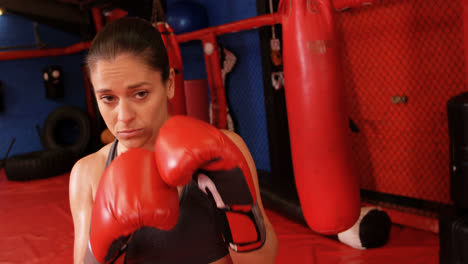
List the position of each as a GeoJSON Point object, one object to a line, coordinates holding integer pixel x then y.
{"type": "Point", "coordinates": [29, 54]}
{"type": "Point", "coordinates": [245, 24]}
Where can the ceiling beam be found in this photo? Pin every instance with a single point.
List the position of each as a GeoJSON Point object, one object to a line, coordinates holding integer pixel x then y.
{"type": "Point", "coordinates": [49, 9]}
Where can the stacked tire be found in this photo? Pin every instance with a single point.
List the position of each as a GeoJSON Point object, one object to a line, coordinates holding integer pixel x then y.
{"type": "Point", "coordinates": [58, 156]}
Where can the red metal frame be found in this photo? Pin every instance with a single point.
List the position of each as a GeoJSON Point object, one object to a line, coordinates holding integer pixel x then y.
{"type": "Point", "coordinates": [215, 80]}
{"type": "Point", "coordinates": [177, 103]}
{"type": "Point", "coordinates": [245, 24]}
{"type": "Point", "coordinates": [97, 17]}
{"type": "Point", "coordinates": [114, 14]}
{"type": "Point", "coordinates": [212, 58]}
{"type": "Point", "coordinates": [30, 54]}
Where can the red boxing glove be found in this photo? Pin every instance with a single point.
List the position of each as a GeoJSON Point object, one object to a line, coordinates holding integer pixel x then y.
{"type": "Point", "coordinates": [186, 149]}
{"type": "Point", "coordinates": [130, 195]}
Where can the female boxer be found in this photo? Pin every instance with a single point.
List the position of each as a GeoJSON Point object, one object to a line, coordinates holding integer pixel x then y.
{"type": "Point", "coordinates": [132, 81]}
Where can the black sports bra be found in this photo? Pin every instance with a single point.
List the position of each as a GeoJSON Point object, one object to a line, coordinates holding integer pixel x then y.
{"type": "Point", "coordinates": [195, 239]}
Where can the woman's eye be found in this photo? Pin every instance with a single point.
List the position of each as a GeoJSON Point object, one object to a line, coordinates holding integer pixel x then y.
{"type": "Point", "coordinates": [107, 98]}
{"type": "Point", "coordinates": [141, 94]}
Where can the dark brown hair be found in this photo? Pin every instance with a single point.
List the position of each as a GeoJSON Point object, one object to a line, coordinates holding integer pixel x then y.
{"type": "Point", "coordinates": [131, 35]}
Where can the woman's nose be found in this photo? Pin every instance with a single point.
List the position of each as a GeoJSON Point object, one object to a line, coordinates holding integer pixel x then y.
{"type": "Point", "coordinates": [125, 113]}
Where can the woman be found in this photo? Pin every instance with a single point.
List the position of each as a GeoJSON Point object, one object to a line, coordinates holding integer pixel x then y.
{"type": "Point", "coordinates": [129, 70]}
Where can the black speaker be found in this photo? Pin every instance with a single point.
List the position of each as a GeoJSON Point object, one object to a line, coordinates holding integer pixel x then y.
{"type": "Point", "coordinates": [453, 236]}
{"type": "Point", "coordinates": [457, 109]}
{"type": "Point", "coordinates": [53, 82]}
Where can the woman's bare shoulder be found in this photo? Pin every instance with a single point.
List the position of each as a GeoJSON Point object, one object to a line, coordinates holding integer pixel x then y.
{"type": "Point", "coordinates": [93, 161]}
{"type": "Point", "coordinates": [89, 168]}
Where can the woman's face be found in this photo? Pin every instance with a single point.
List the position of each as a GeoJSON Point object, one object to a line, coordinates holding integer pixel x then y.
{"type": "Point", "coordinates": [132, 99]}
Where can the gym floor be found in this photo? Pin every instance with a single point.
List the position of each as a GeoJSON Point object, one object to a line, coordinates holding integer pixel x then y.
{"type": "Point", "coordinates": [36, 227]}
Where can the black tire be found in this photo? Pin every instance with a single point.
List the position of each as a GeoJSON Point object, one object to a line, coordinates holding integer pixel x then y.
{"type": "Point", "coordinates": [39, 164]}
{"type": "Point", "coordinates": [76, 118]}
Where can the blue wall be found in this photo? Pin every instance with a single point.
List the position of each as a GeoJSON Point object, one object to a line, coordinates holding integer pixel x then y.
{"type": "Point", "coordinates": [24, 92]}
{"type": "Point", "coordinates": [245, 83]}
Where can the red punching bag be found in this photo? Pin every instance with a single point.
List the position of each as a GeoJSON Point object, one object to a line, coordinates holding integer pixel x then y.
{"type": "Point", "coordinates": [324, 171]}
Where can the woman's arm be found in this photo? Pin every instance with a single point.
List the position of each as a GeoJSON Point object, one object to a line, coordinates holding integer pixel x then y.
{"type": "Point", "coordinates": [81, 203]}
{"type": "Point", "coordinates": [267, 253]}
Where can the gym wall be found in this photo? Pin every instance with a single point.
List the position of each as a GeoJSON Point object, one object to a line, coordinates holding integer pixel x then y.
{"type": "Point", "coordinates": [24, 94]}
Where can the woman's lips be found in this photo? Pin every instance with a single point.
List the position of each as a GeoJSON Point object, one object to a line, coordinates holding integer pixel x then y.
{"type": "Point", "coordinates": [130, 133]}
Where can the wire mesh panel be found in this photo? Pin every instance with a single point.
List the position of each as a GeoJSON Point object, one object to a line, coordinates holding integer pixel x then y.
{"type": "Point", "coordinates": [244, 92]}
{"type": "Point", "coordinates": [402, 60]}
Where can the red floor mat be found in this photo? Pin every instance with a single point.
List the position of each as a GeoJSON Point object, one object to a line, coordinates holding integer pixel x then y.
{"type": "Point", "coordinates": [36, 224]}
{"type": "Point", "coordinates": [36, 227]}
